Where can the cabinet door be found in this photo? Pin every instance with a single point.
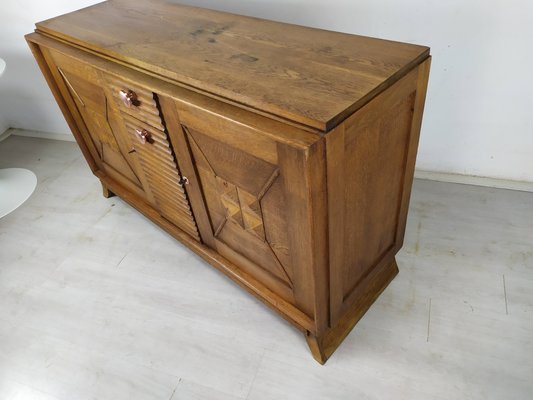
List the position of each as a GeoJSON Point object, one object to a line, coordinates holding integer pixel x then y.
{"type": "Point", "coordinates": [82, 88]}
{"type": "Point", "coordinates": [256, 194]}
{"type": "Point", "coordinates": [245, 200]}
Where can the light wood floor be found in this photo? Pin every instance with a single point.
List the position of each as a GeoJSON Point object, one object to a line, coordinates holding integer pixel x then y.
{"type": "Point", "coordinates": [98, 303]}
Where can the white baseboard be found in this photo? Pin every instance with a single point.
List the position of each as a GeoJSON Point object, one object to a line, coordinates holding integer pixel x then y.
{"type": "Point", "coordinates": [5, 134]}
{"type": "Point", "coordinates": [419, 174]}
{"type": "Point", "coordinates": [474, 180]}
{"type": "Point", "coordinates": [42, 135]}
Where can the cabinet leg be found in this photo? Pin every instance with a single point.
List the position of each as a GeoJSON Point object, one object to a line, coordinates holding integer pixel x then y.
{"type": "Point", "coordinates": [106, 192]}
{"type": "Point", "coordinates": [322, 347]}
{"type": "Point", "coordinates": [317, 348]}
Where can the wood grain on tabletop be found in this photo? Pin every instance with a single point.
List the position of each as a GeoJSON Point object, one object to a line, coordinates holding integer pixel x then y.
{"type": "Point", "coordinates": [311, 76]}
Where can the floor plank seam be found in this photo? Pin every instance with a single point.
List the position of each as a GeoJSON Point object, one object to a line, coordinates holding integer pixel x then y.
{"type": "Point", "coordinates": [505, 295]}
{"type": "Point", "coordinates": [255, 375]}
{"type": "Point", "coordinates": [175, 388]}
{"type": "Point", "coordinates": [162, 325]}
{"type": "Point", "coordinates": [429, 319]}
{"type": "Point", "coordinates": [122, 259]}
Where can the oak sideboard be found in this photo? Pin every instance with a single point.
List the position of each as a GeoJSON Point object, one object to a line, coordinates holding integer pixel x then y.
{"type": "Point", "coordinates": [282, 155]}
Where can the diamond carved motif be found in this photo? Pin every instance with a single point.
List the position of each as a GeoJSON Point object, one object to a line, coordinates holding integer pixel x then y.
{"type": "Point", "coordinates": [242, 208]}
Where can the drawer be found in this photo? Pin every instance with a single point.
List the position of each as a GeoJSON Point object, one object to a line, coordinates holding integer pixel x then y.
{"type": "Point", "coordinates": [135, 100]}
{"type": "Point", "coordinates": [152, 148]}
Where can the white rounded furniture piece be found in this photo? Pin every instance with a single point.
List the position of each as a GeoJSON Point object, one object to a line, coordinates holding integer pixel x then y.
{"type": "Point", "coordinates": [16, 184]}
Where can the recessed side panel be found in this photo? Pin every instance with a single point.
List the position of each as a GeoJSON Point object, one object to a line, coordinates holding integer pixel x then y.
{"type": "Point", "coordinates": [373, 188]}
{"type": "Point", "coordinates": [368, 159]}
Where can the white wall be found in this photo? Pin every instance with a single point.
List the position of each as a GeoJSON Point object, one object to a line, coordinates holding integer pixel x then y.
{"type": "Point", "coordinates": [25, 100]}
{"type": "Point", "coordinates": [479, 110]}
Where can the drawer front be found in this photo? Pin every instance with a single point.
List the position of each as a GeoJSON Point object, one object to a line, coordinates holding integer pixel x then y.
{"type": "Point", "coordinates": [151, 147]}
{"type": "Point", "coordinates": [135, 100]}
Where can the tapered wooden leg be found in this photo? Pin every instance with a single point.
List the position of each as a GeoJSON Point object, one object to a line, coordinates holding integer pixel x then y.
{"type": "Point", "coordinates": [106, 192]}
{"type": "Point", "coordinates": [322, 347]}
{"type": "Point", "coordinates": [316, 347]}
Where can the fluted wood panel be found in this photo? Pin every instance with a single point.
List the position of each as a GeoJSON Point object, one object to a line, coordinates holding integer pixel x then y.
{"type": "Point", "coordinates": [162, 174]}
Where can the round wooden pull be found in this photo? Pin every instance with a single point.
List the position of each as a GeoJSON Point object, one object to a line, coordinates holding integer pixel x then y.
{"type": "Point", "coordinates": [128, 97]}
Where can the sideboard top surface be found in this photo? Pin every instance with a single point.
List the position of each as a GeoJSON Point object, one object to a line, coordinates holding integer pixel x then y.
{"type": "Point", "coordinates": [309, 76]}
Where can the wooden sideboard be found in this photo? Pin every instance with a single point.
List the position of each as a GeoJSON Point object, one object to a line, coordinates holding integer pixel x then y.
{"type": "Point", "coordinates": [282, 155]}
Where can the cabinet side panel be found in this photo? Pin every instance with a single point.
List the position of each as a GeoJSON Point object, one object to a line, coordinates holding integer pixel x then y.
{"type": "Point", "coordinates": [367, 168]}
{"type": "Point", "coordinates": [421, 88]}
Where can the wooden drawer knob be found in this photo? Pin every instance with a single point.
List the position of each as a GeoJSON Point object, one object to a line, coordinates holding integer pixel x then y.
{"type": "Point", "coordinates": [144, 136]}
{"type": "Point", "coordinates": [129, 98]}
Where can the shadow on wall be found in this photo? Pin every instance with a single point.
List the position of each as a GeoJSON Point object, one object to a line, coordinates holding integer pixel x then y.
{"type": "Point", "coordinates": [3, 120]}
{"type": "Point", "coordinates": [308, 13]}
{"type": "Point", "coordinates": [26, 101]}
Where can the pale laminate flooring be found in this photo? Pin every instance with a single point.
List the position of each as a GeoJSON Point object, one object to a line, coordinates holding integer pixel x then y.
{"type": "Point", "coordinates": [96, 302]}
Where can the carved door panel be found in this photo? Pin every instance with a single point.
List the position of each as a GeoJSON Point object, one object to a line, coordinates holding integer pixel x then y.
{"type": "Point", "coordinates": [245, 196]}
{"type": "Point", "coordinates": [82, 89]}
